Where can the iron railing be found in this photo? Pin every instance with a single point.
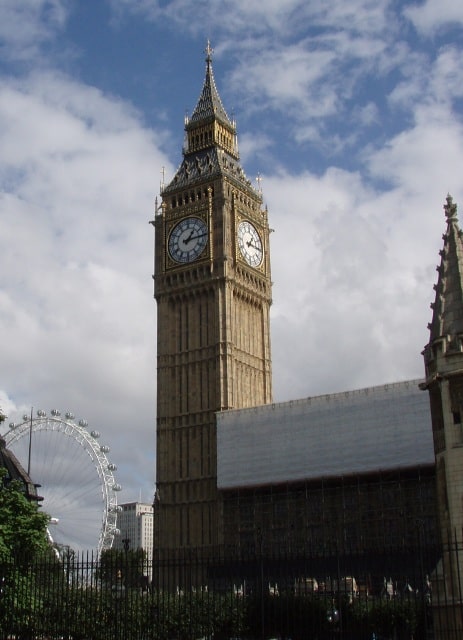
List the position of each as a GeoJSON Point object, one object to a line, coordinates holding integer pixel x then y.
{"type": "Point", "coordinates": [383, 594]}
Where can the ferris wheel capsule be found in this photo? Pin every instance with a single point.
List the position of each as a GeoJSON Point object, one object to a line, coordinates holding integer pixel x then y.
{"type": "Point", "coordinates": [41, 413]}
{"type": "Point", "coordinates": [55, 413]}
{"type": "Point", "coordinates": [95, 434]}
{"type": "Point", "coordinates": [12, 425]}
{"type": "Point", "coordinates": [83, 423]}
{"type": "Point", "coordinates": [104, 448]}
{"type": "Point", "coordinates": [116, 508]}
{"type": "Point", "coordinates": [116, 487]}
{"type": "Point", "coordinates": [69, 415]}
{"type": "Point", "coordinates": [112, 467]}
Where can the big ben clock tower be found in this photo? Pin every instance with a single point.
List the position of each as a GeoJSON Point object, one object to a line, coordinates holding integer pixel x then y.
{"type": "Point", "coordinates": [213, 291]}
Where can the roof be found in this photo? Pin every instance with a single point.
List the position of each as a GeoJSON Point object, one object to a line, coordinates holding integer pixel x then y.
{"type": "Point", "coordinates": [213, 160]}
{"type": "Point", "coordinates": [353, 432]}
{"type": "Point", "coordinates": [16, 471]}
{"type": "Point", "coordinates": [207, 164]}
{"type": "Point", "coordinates": [209, 104]}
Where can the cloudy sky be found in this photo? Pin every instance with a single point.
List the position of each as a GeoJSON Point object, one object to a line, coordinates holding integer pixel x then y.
{"type": "Point", "coordinates": [350, 112]}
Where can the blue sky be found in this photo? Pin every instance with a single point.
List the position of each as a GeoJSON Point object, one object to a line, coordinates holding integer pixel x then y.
{"type": "Point", "coordinates": [350, 112]}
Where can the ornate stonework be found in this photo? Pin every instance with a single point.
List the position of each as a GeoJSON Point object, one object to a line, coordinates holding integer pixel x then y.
{"type": "Point", "coordinates": [213, 293]}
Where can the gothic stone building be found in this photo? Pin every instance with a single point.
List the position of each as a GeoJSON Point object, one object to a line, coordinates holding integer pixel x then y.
{"type": "Point", "coordinates": [352, 470]}
{"type": "Point", "coordinates": [234, 469]}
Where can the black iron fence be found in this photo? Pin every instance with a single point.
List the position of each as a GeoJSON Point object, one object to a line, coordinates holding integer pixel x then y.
{"type": "Point", "coordinates": [387, 594]}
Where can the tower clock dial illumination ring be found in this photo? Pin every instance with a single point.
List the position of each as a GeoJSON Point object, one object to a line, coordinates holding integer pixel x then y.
{"type": "Point", "coordinates": [250, 243]}
{"type": "Point", "coordinates": [187, 240]}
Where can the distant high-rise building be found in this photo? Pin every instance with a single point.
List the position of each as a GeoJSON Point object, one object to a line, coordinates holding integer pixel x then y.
{"type": "Point", "coordinates": [135, 523]}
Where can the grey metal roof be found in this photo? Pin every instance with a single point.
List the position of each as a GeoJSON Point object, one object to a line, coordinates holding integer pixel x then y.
{"type": "Point", "coordinates": [379, 428]}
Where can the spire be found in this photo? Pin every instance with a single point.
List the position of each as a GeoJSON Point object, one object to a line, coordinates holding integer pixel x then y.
{"type": "Point", "coordinates": [447, 319]}
{"type": "Point", "coordinates": [209, 104]}
{"type": "Point", "coordinates": [211, 145]}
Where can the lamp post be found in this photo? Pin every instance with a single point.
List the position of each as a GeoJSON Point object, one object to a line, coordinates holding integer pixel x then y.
{"type": "Point", "coordinates": [126, 545]}
{"type": "Point", "coordinates": [118, 590]}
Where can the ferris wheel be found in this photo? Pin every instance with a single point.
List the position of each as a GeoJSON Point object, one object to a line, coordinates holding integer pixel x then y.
{"type": "Point", "coordinates": [74, 477]}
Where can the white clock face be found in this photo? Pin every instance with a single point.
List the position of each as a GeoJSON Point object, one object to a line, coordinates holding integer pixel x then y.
{"type": "Point", "coordinates": [187, 240]}
{"type": "Point", "coordinates": [250, 244]}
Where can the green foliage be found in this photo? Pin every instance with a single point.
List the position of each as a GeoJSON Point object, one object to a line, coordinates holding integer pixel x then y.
{"type": "Point", "coordinates": [22, 524]}
{"type": "Point", "coordinates": [67, 599]}
{"type": "Point", "coordinates": [288, 616]}
{"type": "Point", "coordinates": [124, 567]}
{"type": "Point", "coordinates": [196, 615]}
{"type": "Point", "coordinates": [395, 616]}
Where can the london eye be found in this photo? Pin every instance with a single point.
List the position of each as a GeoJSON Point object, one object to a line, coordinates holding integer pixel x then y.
{"type": "Point", "coordinates": [74, 476]}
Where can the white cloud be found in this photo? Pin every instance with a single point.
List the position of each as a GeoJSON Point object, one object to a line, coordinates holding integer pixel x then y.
{"type": "Point", "coordinates": [433, 15]}
{"type": "Point", "coordinates": [76, 258]}
{"type": "Point", "coordinates": [428, 153]}
{"type": "Point", "coordinates": [354, 267]}
{"type": "Point", "coordinates": [285, 80]}
{"type": "Point", "coordinates": [285, 18]}
{"type": "Point", "coordinates": [368, 114]}
{"type": "Point", "coordinates": [25, 26]}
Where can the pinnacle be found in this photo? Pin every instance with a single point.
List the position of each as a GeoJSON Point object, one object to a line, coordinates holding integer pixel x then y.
{"type": "Point", "coordinates": [209, 104]}
{"type": "Point", "coordinates": [447, 320]}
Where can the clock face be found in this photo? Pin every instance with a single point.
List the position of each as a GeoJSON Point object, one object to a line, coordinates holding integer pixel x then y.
{"type": "Point", "coordinates": [250, 244]}
{"type": "Point", "coordinates": [187, 240]}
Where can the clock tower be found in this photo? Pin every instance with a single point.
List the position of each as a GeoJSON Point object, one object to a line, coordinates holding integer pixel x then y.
{"type": "Point", "coordinates": [213, 291]}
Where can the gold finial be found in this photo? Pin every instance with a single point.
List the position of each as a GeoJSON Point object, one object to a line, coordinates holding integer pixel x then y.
{"type": "Point", "coordinates": [208, 51]}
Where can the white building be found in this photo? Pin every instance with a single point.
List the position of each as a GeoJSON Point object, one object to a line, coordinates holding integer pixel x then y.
{"type": "Point", "coordinates": [135, 523]}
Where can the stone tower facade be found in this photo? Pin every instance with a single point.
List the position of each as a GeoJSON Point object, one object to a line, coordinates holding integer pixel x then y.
{"type": "Point", "coordinates": [443, 357]}
{"type": "Point", "coordinates": [212, 286]}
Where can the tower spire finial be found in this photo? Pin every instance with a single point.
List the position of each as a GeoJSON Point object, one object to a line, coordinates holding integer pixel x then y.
{"type": "Point", "coordinates": [450, 208]}
{"type": "Point", "coordinates": [208, 51]}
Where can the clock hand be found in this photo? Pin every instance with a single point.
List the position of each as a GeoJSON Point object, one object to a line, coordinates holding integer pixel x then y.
{"type": "Point", "coordinates": [250, 244]}
{"type": "Point", "coordinates": [190, 237]}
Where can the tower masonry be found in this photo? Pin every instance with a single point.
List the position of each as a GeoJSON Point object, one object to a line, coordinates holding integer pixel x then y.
{"type": "Point", "coordinates": [443, 357]}
{"type": "Point", "coordinates": [212, 286]}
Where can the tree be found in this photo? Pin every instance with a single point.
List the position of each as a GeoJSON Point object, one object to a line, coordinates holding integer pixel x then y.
{"type": "Point", "coordinates": [23, 527]}
{"type": "Point", "coordinates": [126, 566]}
